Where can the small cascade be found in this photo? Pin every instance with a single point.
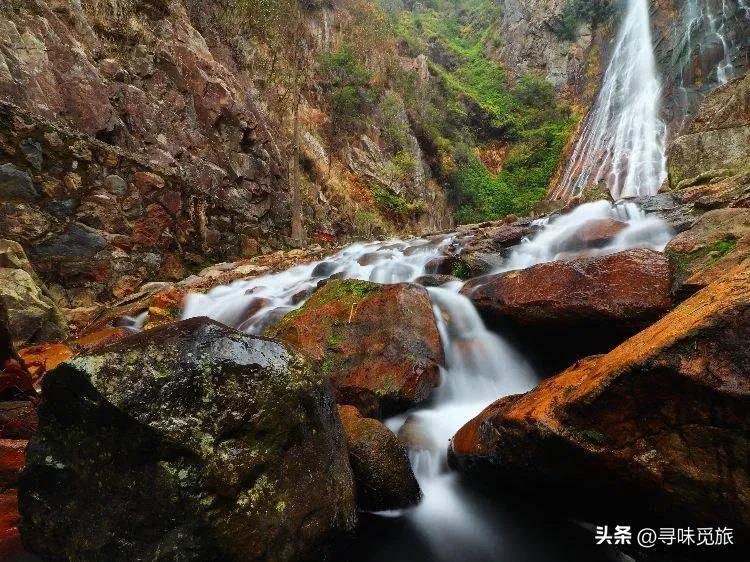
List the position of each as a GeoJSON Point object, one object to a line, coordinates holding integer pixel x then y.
{"type": "Point", "coordinates": [481, 366]}
{"type": "Point", "coordinates": [621, 144]}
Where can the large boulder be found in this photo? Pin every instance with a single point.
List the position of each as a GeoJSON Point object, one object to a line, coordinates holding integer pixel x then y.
{"type": "Point", "coordinates": [663, 418]}
{"type": "Point", "coordinates": [717, 242]}
{"type": "Point", "coordinates": [572, 308]}
{"type": "Point", "coordinates": [382, 472]}
{"type": "Point", "coordinates": [192, 442]}
{"type": "Point", "coordinates": [381, 338]}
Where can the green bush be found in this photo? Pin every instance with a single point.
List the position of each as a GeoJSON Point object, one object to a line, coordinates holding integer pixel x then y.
{"type": "Point", "coordinates": [347, 82]}
{"type": "Point", "coordinates": [577, 11]}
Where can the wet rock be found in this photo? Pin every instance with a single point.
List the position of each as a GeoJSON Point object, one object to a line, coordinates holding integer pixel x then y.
{"type": "Point", "coordinates": [40, 359]}
{"type": "Point", "coordinates": [362, 335]}
{"type": "Point", "coordinates": [18, 419]}
{"type": "Point", "coordinates": [718, 241]}
{"type": "Point", "coordinates": [382, 472]}
{"type": "Point", "coordinates": [11, 461]}
{"type": "Point", "coordinates": [361, 398]}
{"type": "Point", "coordinates": [324, 269]}
{"type": "Point", "coordinates": [592, 234]}
{"type": "Point", "coordinates": [33, 317]}
{"type": "Point", "coordinates": [577, 307]}
{"type": "Point", "coordinates": [192, 441]}
{"type": "Point", "coordinates": [443, 265]}
{"type": "Point", "coordinates": [433, 280]}
{"type": "Point", "coordinates": [663, 416]}
{"type": "Point", "coordinates": [11, 547]}
{"type": "Point", "coordinates": [496, 239]}
{"type": "Point", "coordinates": [413, 435]}
{"type": "Point", "coordinates": [16, 184]}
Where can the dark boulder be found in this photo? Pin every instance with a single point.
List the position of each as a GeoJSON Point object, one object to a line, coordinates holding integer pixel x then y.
{"type": "Point", "coordinates": [382, 472]}
{"type": "Point", "coordinates": [190, 441]}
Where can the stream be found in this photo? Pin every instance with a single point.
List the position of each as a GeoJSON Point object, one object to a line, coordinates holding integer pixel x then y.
{"type": "Point", "coordinates": [452, 522]}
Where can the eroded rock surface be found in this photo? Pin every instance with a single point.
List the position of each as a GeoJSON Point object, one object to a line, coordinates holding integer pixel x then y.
{"type": "Point", "coordinates": [664, 416]}
{"type": "Point", "coordinates": [191, 442]}
{"type": "Point", "coordinates": [382, 472]}
{"type": "Point", "coordinates": [382, 338]}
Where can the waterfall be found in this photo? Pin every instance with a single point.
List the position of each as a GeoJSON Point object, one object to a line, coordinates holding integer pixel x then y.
{"type": "Point", "coordinates": [481, 366]}
{"type": "Point", "coordinates": [622, 141]}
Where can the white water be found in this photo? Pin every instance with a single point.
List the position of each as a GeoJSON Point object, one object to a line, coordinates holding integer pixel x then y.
{"type": "Point", "coordinates": [622, 140]}
{"type": "Point", "coordinates": [480, 365]}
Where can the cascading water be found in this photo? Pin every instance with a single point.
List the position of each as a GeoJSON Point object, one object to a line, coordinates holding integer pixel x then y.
{"type": "Point", "coordinates": [622, 140]}
{"type": "Point", "coordinates": [449, 524]}
{"type": "Point", "coordinates": [711, 36]}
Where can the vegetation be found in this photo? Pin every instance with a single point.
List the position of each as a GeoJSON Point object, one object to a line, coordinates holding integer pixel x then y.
{"type": "Point", "coordinates": [478, 102]}
{"type": "Point", "coordinates": [576, 12]}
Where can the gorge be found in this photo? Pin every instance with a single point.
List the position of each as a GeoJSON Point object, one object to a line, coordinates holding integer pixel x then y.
{"type": "Point", "coordinates": [352, 280]}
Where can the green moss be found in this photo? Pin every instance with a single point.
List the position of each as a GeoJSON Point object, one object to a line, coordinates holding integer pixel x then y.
{"type": "Point", "coordinates": [594, 436]}
{"type": "Point", "coordinates": [460, 269]}
{"type": "Point", "coordinates": [712, 253]}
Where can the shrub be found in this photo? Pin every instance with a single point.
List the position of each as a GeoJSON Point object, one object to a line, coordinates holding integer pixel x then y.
{"type": "Point", "coordinates": [347, 80]}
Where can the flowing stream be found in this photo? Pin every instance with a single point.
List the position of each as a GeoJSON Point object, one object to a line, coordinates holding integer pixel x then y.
{"type": "Point", "coordinates": [449, 524]}
{"type": "Point", "coordinates": [622, 140]}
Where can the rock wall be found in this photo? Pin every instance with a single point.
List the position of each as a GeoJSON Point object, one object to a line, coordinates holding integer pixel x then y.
{"type": "Point", "coordinates": [528, 38]}
{"type": "Point", "coordinates": [97, 221]}
{"type": "Point", "coordinates": [125, 142]}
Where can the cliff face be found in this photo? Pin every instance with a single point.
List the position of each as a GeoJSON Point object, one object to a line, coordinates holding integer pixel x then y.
{"type": "Point", "coordinates": [534, 35]}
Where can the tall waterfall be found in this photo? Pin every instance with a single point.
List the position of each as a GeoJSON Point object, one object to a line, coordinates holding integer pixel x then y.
{"type": "Point", "coordinates": [622, 141]}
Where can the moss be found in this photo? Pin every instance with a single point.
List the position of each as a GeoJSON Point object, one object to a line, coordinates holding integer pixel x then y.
{"type": "Point", "coordinates": [460, 269]}
{"type": "Point", "coordinates": [594, 436]}
{"type": "Point", "coordinates": [683, 261]}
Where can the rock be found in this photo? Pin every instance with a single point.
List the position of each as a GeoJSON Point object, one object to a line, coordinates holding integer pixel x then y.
{"type": "Point", "coordinates": [40, 359]}
{"type": "Point", "coordinates": [663, 416]}
{"type": "Point", "coordinates": [577, 307]}
{"type": "Point", "coordinates": [364, 400]}
{"type": "Point", "coordinates": [11, 461]}
{"type": "Point", "coordinates": [189, 442]}
{"type": "Point", "coordinates": [362, 335]}
{"type": "Point", "coordinates": [11, 547]}
{"type": "Point", "coordinates": [16, 184]}
{"type": "Point", "coordinates": [496, 239]}
{"type": "Point", "coordinates": [433, 280]}
{"type": "Point", "coordinates": [718, 241]}
{"type": "Point", "coordinates": [33, 317]}
{"type": "Point", "coordinates": [718, 138]}
{"type": "Point", "coordinates": [18, 419]}
{"type": "Point", "coordinates": [382, 472]}
{"type": "Point", "coordinates": [592, 234]}
{"type": "Point", "coordinates": [324, 269]}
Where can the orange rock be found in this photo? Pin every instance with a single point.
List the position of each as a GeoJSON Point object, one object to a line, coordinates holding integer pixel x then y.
{"type": "Point", "coordinates": [573, 308]}
{"type": "Point", "coordinates": [101, 338]}
{"type": "Point", "coordinates": [39, 359]}
{"type": "Point", "coordinates": [12, 452]}
{"type": "Point", "coordinates": [664, 416]}
{"type": "Point", "coordinates": [592, 234]}
{"type": "Point", "coordinates": [11, 547]}
{"type": "Point", "coordinates": [382, 338]}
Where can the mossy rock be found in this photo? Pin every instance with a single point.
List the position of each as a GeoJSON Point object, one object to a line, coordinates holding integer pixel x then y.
{"type": "Point", "coordinates": [186, 442]}
{"type": "Point", "coordinates": [362, 335]}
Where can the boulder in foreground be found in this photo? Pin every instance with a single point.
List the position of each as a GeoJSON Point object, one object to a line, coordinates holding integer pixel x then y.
{"type": "Point", "coordinates": [381, 338]}
{"type": "Point", "coordinates": [664, 417]}
{"type": "Point", "coordinates": [573, 308]}
{"type": "Point", "coordinates": [187, 442]}
{"type": "Point", "coordinates": [382, 472]}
